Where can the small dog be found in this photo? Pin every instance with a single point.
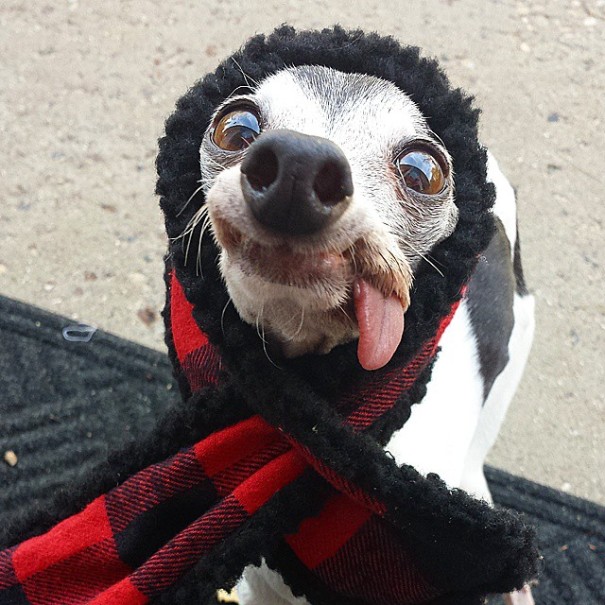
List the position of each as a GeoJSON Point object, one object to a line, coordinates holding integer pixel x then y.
{"type": "Point", "coordinates": [324, 191]}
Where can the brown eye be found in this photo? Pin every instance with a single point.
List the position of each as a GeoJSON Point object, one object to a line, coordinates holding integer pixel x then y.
{"type": "Point", "coordinates": [421, 172]}
{"type": "Point", "coordinates": [236, 130]}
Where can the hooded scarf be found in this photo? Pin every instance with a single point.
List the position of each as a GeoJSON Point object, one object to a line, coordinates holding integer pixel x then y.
{"type": "Point", "coordinates": [282, 462]}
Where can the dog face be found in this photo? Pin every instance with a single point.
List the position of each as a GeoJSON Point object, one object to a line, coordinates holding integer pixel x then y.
{"type": "Point", "coordinates": [324, 190]}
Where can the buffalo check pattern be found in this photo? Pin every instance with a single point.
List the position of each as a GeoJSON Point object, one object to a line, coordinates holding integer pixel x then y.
{"type": "Point", "coordinates": [134, 542]}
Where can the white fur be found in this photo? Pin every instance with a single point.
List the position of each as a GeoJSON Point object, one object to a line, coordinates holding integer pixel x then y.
{"type": "Point", "coordinates": [263, 586]}
{"type": "Point", "coordinates": [437, 436]}
{"type": "Point", "coordinates": [494, 410]}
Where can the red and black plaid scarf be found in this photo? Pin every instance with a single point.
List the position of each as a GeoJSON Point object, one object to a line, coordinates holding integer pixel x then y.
{"type": "Point", "coordinates": [282, 464]}
{"type": "Point", "coordinates": [140, 539]}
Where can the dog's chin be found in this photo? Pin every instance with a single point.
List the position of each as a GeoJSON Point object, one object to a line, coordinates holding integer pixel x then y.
{"type": "Point", "coordinates": [320, 281]}
{"type": "Point", "coordinates": [299, 303]}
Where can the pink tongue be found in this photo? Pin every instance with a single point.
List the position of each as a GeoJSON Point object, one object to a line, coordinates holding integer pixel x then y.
{"type": "Point", "coordinates": [380, 322]}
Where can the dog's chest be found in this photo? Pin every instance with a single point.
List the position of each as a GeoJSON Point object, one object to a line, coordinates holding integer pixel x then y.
{"type": "Point", "coordinates": [435, 439]}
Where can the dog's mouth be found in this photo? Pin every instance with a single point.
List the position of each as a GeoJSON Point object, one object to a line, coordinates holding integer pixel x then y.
{"type": "Point", "coordinates": [282, 265]}
{"type": "Point", "coordinates": [361, 279]}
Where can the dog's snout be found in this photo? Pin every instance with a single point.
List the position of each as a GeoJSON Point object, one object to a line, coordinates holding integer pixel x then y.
{"type": "Point", "coordinates": [294, 183]}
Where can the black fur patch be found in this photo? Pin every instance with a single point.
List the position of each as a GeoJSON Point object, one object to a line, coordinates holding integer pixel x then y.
{"type": "Point", "coordinates": [490, 303]}
{"type": "Point", "coordinates": [518, 269]}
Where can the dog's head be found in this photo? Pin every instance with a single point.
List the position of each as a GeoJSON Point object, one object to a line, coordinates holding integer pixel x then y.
{"type": "Point", "coordinates": [324, 190]}
{"type": "Point", "coordinates": [333, 173]}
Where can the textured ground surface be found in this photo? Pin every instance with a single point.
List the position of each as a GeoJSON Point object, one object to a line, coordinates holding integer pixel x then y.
{"type": "Point", "coordinates": [86, 86]}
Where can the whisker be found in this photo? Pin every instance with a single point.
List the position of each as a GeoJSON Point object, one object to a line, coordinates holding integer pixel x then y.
{"type": "Point", "coordinates": [205, 225]}
{"type": "Point", "coordinates": [189, 200]}
{"type": "Point", "coordinates": [192, 224]}
{"type": "Point", "coordinates": [223, 316]}
{"type": "Point", "coordinates": [355, 269]}
{"type": "Point", "coordinates": [260, 330]}
{"type": "Point", "coordinates": [258, 318]}
{"type": "Point", "coordinates": [235, 91]}
{"type": "Point", "coordinates": [198, 258]}
{"type": "Point", "coordinates": [302, 321]}
{"type": "Point", "coordinates": [200, 215]}
{"type": "Point", "coordinates": [290, 320]}
{"type": "Point", "coordinates": [300, 325]}
{"type": "Point", "coordinates": [424, 257]}
{"type": "Point", "coordinates": [247, 78]}
{"type": "Point", "coordinates": [188, 245]}
{"type": "Point", "coordinates": [402, 268]}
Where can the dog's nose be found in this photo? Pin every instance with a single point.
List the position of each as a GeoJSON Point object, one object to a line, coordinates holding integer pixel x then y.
{"type": "Point", "coordinates": [294, 183]}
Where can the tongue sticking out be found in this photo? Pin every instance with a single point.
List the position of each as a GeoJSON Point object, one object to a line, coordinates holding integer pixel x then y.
{"type": "Point", "coordinates": [380, 322]}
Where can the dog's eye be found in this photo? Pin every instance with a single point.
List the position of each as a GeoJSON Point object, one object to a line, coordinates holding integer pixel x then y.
{"type": "Point", "coordinates": [236, 130]}
{"type": "Point", "coordinates": [421, 172]}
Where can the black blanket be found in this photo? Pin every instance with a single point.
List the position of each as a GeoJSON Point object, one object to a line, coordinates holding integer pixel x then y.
{"type": "Point", "coordinates": [64, 404]}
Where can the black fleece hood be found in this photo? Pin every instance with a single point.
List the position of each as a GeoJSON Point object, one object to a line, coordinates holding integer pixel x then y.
{"type": "Point", "coordinates": [450, 114]}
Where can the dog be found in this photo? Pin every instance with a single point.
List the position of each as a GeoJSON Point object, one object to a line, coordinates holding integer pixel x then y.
{"type": "Point", "coordinates": [324, 192]}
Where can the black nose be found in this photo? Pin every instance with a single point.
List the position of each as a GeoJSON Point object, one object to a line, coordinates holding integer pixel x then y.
{"type": "Point", "coordinates": [295, 183]}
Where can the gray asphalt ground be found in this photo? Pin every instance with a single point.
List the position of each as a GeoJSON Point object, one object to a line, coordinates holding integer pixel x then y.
{"type": "Point", "coordinates": [85, 87]}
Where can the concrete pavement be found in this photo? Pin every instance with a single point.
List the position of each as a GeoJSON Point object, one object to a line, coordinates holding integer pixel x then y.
{"type": "Point", "coordinates": [86, 85]}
